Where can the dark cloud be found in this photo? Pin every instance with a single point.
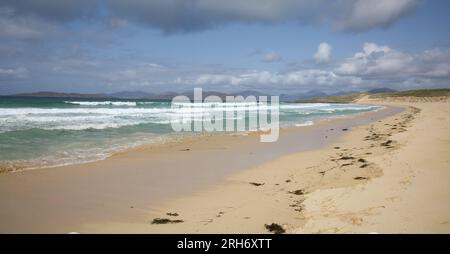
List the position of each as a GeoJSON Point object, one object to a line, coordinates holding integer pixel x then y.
{"type": "Point", "coordinates": [172, 16]}
{"type": "Point", "coordinates": [178, 16]}
{"type": "Point", "coordinates": [53, 10]}
{"type": "Point", "coordinates": [13, 73]}
{"type": "Point", "coordinates": [28, 19]}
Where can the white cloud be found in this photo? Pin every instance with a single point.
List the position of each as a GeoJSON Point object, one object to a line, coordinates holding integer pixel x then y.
{"type": "Point", "coordinates": [323, 54]}
{"type": "Point", "coordinates": [385, 66]}
{"type": "Point", "coordinates": [275, 80]}
{"type": "Point", "coordinates": [266, 56]}
{"type": "Point", "coordinates": [375, 60]}
{"type": "Point", "coordinates": [383, 61]}
{"type": "Point", "coordinates": [217, 79]}
{"type": "Point", "coordinates": [434, 63]}
{"type": "Point", "coordinates": [375, 65]}
{"type": "Point", "coordinates": [271, 57]}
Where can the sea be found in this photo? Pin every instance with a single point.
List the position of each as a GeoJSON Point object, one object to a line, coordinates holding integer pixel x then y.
{"type": "Point", "coordinates": [48, 132]}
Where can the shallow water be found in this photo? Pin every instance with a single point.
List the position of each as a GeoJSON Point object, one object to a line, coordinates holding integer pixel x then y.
{"type": "Point", "coordinates": [42, 132]}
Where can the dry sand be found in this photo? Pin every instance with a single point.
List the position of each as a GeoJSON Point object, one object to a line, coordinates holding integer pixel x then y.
{"type": "Point", "coordinates": [390, 176]}
{"type": "Point", "coordinates": [383, 175]}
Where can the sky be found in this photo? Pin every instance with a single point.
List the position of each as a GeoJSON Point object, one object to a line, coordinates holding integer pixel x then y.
{"type": "Point", "coordinates": [284, 46]}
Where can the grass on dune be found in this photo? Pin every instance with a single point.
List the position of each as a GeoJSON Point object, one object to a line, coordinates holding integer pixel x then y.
{"type": "Point", "coordinates": [352, 97]}
{"type": "Point", "coordinates": [415, 93]}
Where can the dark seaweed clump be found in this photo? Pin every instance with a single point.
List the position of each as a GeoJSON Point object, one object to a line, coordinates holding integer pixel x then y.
{"type": "Point", "coordinates": [275, 228]}
{"type": "Point", "coordinates": [298, 192]}
{"type": "Point", "coordinates": [165, 221]}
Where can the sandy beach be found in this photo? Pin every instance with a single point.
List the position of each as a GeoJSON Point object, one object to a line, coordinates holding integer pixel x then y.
{"type": "Point", "coordinates": [384, 171]}
{"type": "Point", "coordinates": [259, 118]}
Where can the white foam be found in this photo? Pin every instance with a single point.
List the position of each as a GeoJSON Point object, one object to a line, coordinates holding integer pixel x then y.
{"type": "Point", "coordinates": [102, 103]}
{"type": "Point", "coordinates": [307, 123]}
{"type": "Point", "coordinates": [114, 117]}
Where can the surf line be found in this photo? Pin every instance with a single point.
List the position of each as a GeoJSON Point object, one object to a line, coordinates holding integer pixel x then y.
{"type": "Point", "coordinates": [208, 114]}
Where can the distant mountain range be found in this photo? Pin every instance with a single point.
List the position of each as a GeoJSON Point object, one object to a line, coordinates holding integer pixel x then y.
{"type": "Point", "coordinates": [299, 96]}
{"type": "Point", "coordinates": [190, 94]}
{"type": "Point", "coordinates": [59, 95]}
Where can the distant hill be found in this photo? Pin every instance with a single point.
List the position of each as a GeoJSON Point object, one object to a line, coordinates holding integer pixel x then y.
{"type": "Point", "coordinates": [131, 94]}
{"type": "Point", "coordinates": [61, 95]}
{"type": "Point", "coordinates": [339, 93]}
{"type": "Point", "coordinates": [246, 93]}
{"type": "Point", "coordinates": [310, 96]}
{"type": "Point", "coordinates": [334, 99]}
{"type": "Point", "coordinates": [135, 95]}
{"type": "Point", "coordinates": [301, 96]}
{"type": "Point", "coordinates": [190, 94]}
{"type": "Point", "coordinates": [382, 90]}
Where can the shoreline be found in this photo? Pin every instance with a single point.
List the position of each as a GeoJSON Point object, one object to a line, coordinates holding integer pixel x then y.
{"type": "Point", "coordinates": [129, 184]}
{"type": "Point", "coordinates": [9, 167]}
{"type": "Point", "coordinates": [246, 201]}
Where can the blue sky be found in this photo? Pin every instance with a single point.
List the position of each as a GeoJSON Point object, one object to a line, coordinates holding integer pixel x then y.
{"type": "Point", "coordinates": [271, 46]}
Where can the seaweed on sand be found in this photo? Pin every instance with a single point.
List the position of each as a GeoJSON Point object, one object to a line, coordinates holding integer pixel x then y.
{"type": "Point", "coordinates": [298, 192]}
{"type": "Point", "coordinates": [256, 184]}
{"type": "Point", "coordinates": [275, 228]}
{"type": "Point", "coordinates": [165, 221]}
{"type": "Point", "coordinates": [387, 143]}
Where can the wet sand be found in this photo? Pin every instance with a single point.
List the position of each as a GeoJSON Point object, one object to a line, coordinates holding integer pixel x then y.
{"type": "Point", "coordinates": [130, 187]}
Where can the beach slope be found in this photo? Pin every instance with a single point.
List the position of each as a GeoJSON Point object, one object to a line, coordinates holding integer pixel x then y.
{"type": "Point", "coordinates": [389, 176]}
{"type": "Point", "coordinates": [384, 172]}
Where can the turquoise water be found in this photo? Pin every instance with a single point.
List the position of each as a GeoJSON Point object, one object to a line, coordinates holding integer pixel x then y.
{"type": "Point", "coordinates": [40, 132]}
